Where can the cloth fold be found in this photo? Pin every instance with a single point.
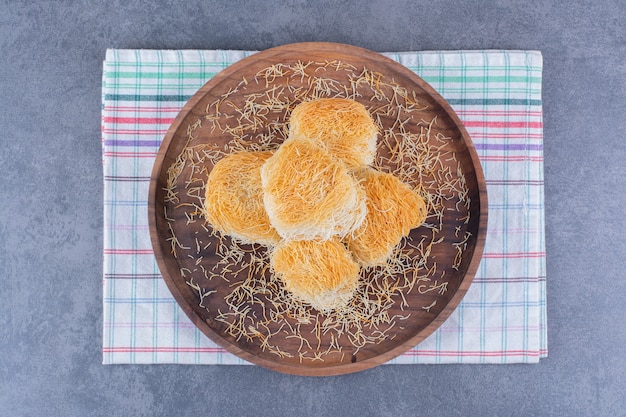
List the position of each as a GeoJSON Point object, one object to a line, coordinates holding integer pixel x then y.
{"type": "Point", "coordinates": [497, 95]}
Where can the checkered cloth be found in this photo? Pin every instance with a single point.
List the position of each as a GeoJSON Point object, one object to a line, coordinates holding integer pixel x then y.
{"type": "Point", "coordinates": [497, 94]}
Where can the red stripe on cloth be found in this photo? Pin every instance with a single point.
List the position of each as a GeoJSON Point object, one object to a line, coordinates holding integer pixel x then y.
{"type": "Point", "coordinates": [419, 352]}
{"type": "Point", "coordinates": [135, 131]}
{"type": "Point", "coordinates": [524, 136]}
{"type": "Point", "coordinates": [139, 120]}
{"type": "Point", "coordinates": [503, 125]}
{"type": "Point", "coordinates": [515, 113]}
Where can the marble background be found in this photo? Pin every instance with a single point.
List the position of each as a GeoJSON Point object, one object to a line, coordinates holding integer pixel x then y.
{"type": "Point", "coordinates": [51, 208]}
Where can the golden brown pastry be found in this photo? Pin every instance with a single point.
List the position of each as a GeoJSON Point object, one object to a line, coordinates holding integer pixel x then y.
{"type": "Point", "coordinates": [234, 198]}
{"type": "Point", "coordinates": [393, 209]}
{"type": "Point", "coordinates": [309, 194]}
{"type": "Point", "coordinates": [344, 126]}
{"type": "Point", "coordinates": [321, 273]}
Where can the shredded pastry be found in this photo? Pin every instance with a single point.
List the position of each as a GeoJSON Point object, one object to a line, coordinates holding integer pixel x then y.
{"type": "Point", "coordinates": [344, 127]}
{"type": "Point", "coordinates": [309, 194]}
{"type": "Point", "coordinates": [393, 209]}
{"type": "Point", "coordinates": [234, 198]}
{"type": "Point", "coordinates": [321, 273]}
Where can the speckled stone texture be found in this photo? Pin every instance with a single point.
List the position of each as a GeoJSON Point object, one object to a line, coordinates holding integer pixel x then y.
{"type": "Point", "coordinates": [51, 208]}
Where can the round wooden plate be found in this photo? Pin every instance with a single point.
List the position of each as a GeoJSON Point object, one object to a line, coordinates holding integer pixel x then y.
{"type": "Point", "coordinates": [231, 296]}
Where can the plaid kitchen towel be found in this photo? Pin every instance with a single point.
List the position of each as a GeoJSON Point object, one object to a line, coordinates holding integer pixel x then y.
{"type": "Point", "coordinates": [497, 94]}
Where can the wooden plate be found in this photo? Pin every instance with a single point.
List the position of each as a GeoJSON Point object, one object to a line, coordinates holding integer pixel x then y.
{"type": "Point", "coordinates": [228, 290]}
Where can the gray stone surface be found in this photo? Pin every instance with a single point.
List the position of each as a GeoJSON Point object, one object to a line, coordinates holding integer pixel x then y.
{"type": "Point", "coordinates": [51, 208]}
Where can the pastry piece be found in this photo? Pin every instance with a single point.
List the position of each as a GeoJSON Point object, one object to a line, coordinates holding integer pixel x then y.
{"type": "Point", "coordinates": [321, 273]}
{"type": "Point", "coordinates": [234, 199]}
{"type": "Point", "coordinates": [344, 126]}
{"type": "Point", "coordinates": [309, 194]}
{"type": "Point", "coordinates": [393, 209]}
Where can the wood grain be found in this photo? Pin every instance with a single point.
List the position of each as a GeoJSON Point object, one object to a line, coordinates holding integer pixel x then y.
{"type": "Point", "coordinates": [421, 322]}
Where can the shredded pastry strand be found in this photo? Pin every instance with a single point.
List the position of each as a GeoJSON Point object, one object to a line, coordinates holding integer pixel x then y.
{"type": "Point", "coordinates": [308, 194]}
